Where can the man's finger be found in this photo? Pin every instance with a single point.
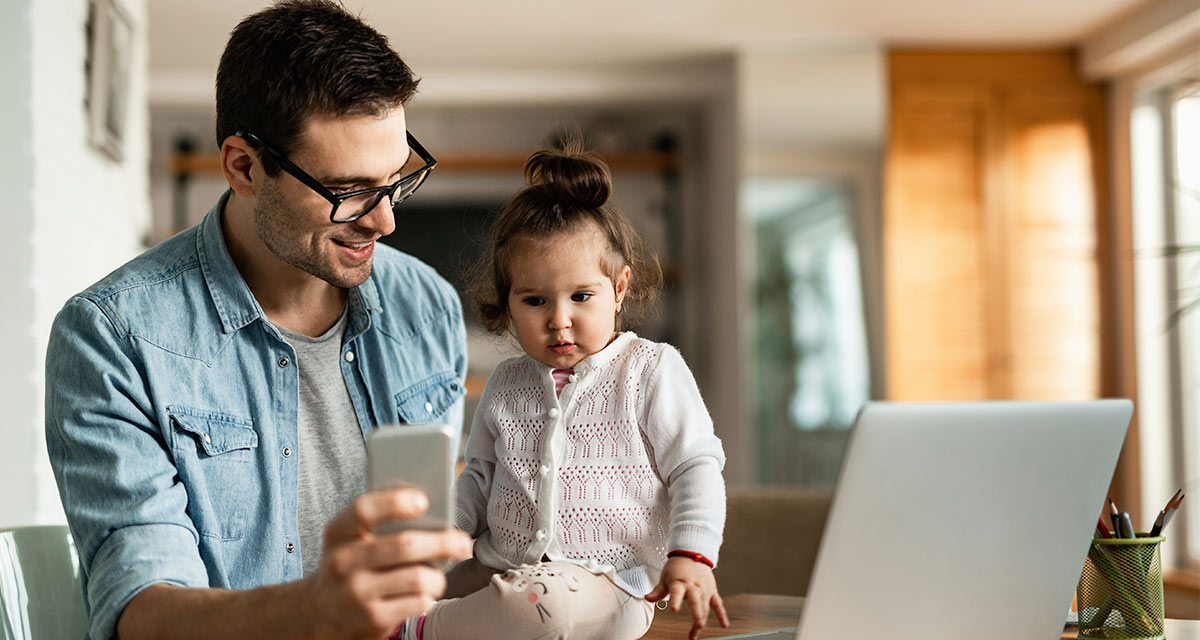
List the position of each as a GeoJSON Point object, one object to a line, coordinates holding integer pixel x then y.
{"type": "Point", "coordinates": [413, 546]}
{"type": "Point", "coordinates": [390, 551]}
{"type": "Point", "coordinates": [403, 608]}
{"type": "Point", "coordinates": [371, 509]}
{"type": "Point", "coordinates": [409, 581]}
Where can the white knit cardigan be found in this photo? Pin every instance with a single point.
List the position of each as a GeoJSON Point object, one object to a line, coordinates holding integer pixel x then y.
{"type": "Point", "coordinates": [614, 473]}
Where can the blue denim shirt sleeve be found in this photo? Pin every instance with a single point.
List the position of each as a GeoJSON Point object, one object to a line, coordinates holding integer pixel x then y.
{"type": "Point", "coordinates": [119, 488]}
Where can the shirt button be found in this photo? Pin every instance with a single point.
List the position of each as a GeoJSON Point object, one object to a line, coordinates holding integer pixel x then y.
{"type": "Point", "coordinates": [283, 362]}
{"type": "Point", "coordinates": [287, 452]}
{"type": "Point", "coordinates": [554, 412]}
{"type": "Point", "coordinates": [544, 470]}
{"type": "Point", "coordinates": [428, 407]}
{"type": "Point", "coordinates": [349, 356]}
{"type": "Point", "coordinates": [291, 547]}
{"type": "Point", "coordinates": [541, 534]}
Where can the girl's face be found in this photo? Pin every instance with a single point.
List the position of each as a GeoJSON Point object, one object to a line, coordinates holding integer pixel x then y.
{"type": "Point", "coordinates": [562, 303]}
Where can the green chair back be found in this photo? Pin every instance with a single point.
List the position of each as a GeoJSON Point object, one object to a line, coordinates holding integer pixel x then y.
{"type": "Point", "coordinates": [41, 597]}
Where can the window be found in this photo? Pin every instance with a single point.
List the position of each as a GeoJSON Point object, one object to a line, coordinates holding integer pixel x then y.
{"type": "Point", "coordinates": [809, 354]}
{"type": "Point", "coordinates": [1166, 219]}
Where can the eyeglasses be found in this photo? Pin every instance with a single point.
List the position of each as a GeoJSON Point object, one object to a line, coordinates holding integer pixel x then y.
{"type": "Point", "coordinates": [348, 207]}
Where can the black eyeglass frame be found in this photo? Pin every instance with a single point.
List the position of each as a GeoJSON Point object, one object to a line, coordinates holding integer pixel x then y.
{"type": "Point", "coordinates": [335, 199]}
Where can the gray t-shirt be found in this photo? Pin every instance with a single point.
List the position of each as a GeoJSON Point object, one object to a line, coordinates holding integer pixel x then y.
{"type": "Point", "coordinates": [332, 452]}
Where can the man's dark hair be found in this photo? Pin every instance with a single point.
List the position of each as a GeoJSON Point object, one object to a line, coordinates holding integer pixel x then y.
{"type": "Point", "coordinates": [301, 58]}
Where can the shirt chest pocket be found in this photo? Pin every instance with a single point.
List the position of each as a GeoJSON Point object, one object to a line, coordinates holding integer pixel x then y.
{"type": "Point", "coordinates": [429, 400]}
{"type": "Point", "coordinates": [215, 455]}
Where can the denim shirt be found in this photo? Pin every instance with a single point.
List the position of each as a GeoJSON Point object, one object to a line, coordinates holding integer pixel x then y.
{"type": "Point", "coordinates": [171, 412]}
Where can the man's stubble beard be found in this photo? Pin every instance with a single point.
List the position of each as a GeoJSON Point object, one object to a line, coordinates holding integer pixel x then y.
{"type": "Point", "coordinates": [276, 225]}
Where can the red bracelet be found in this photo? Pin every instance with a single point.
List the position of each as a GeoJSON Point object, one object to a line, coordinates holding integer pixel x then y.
{"type": "Point", "coordinates": [693, 555]}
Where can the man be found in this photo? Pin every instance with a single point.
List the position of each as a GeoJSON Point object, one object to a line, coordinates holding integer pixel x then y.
{"type": "Point", "coordinates": [206, 403]}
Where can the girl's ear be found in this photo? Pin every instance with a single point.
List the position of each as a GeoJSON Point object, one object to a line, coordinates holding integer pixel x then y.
{"type": "Point", "coordinates": [622, 284]}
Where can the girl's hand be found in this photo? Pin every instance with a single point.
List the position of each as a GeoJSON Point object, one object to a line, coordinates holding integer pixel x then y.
{"type": "Point", "coordinates": [686, 579]}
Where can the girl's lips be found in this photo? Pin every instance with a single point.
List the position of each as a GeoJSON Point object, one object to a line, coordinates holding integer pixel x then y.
{"type": "Point", "coordinates": [562, 349]}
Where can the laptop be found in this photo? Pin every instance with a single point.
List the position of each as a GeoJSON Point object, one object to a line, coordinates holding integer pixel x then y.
{"type": "Point", "coordinates": [966, 520]}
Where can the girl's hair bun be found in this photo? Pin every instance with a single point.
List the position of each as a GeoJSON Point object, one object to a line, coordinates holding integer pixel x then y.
{"type": "Point", "coordinates": [575, 177]}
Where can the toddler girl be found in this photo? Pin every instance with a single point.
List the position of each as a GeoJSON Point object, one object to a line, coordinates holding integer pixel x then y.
{"type": "Point", "coordinates": [593, 481]}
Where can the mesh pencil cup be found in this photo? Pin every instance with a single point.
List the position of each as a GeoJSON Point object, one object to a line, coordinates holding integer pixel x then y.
{"type": "Point", "coordinates": [1121, 590]}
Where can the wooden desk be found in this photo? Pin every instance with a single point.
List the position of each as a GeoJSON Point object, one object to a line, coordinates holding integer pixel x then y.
{"type": "Point", "coordinates": [756, 612]}
{"type": "Point", "coordinates": [747, 612]}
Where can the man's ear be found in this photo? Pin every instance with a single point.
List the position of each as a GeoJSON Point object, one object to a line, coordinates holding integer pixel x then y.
{"type": "Point", "coordinates": [237, 160]}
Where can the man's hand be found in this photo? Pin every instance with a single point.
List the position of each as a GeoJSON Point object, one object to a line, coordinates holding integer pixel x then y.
{"type": "Point", "coordinates": [367, 584]}
{"type": "Point", "coordinates": [686, 579]}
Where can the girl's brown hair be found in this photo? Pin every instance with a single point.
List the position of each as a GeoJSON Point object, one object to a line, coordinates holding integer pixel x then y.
{"type": "Point", "coordinates": [566, 191]}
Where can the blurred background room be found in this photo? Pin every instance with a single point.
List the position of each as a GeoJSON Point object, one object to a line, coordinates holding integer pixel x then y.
{"type": "Point", "coordinates": [851, 200]}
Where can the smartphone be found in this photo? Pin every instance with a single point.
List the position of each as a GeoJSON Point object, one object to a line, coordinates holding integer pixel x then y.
{"type": "Point", "coordinates": [422, 457]}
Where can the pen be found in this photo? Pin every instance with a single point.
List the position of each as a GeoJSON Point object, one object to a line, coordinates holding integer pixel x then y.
{"type": "Point", "coordinates": [1101, 528]}
{"type": "Point", "coordinates": [1126, 526]}
{"type": "Point", "coordinates": [1171, 512]}
{"type": "Point", "coordinates": [1167, 512]}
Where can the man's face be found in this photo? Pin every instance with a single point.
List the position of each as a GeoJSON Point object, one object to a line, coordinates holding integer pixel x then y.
{"type": "Point", "coordinates": [344, 154]}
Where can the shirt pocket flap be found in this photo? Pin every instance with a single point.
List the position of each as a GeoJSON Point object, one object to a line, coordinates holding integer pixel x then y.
{"type": "Point", "coordinates": [215, 432]}
{"type": "Point", "coordinates": [429, 399]}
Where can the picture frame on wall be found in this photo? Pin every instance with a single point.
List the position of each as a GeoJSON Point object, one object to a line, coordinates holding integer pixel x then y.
{"type": "Point", "coordinates": [109, 61]}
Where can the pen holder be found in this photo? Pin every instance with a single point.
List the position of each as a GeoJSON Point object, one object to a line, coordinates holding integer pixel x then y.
{"type": "Point", "coordinates": [1121, 589]}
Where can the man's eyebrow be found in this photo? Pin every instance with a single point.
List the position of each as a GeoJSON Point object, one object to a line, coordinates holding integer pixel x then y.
{"type": "Point", "coordinates": [351, 179]}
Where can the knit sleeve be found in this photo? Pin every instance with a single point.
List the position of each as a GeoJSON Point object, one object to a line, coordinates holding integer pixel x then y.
{"type": "Point", "coordinates": [474, 484]}
{"type": "Point", "coordinates": [688, 455]}
{"type": "Point", "coordinates": [697, 493]}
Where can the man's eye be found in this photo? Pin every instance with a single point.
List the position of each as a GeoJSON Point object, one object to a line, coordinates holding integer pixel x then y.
{"type": "Point", "coordinates": [533, 301]}
{"type": "Point", "coordinates": [580, 297]}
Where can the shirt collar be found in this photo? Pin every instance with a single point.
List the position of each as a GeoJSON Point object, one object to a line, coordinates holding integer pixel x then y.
{"type": "Point", "coordinates": [598, 359]}
{"type": "Point", "coordinates": [231, 296]}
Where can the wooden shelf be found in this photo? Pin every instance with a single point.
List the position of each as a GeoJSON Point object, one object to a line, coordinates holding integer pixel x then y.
{"type": "Point", "coordinates": [204, 163]}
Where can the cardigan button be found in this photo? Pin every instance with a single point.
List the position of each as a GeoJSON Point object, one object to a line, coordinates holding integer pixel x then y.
{"type": "Point", "coordinates": [544, 470]}
{"type": "Point", "coordinates": [554, 412]}
{"type": "Point", "coordinates": [541, 534]}
{"type": "Point", "coordinates": [572, 378]}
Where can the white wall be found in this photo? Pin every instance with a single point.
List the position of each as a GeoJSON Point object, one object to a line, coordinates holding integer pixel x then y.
{"type": "Point", "coordinates": [74, 215]}
{"type": "Point", "coordinates": [16, 260]}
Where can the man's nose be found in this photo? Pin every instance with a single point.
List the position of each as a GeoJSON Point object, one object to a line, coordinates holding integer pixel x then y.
{"type": "Point", "coordinates": [380, 219]}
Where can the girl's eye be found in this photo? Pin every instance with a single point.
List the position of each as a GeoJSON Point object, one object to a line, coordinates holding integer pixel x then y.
{"type": "Point", "coordinates": [580, 297]}
{"type": "Point", "coordinates": [534, 301]}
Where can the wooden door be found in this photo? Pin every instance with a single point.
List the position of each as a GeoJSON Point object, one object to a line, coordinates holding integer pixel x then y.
{"type": "Point", "coordinates": [993, 231]}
